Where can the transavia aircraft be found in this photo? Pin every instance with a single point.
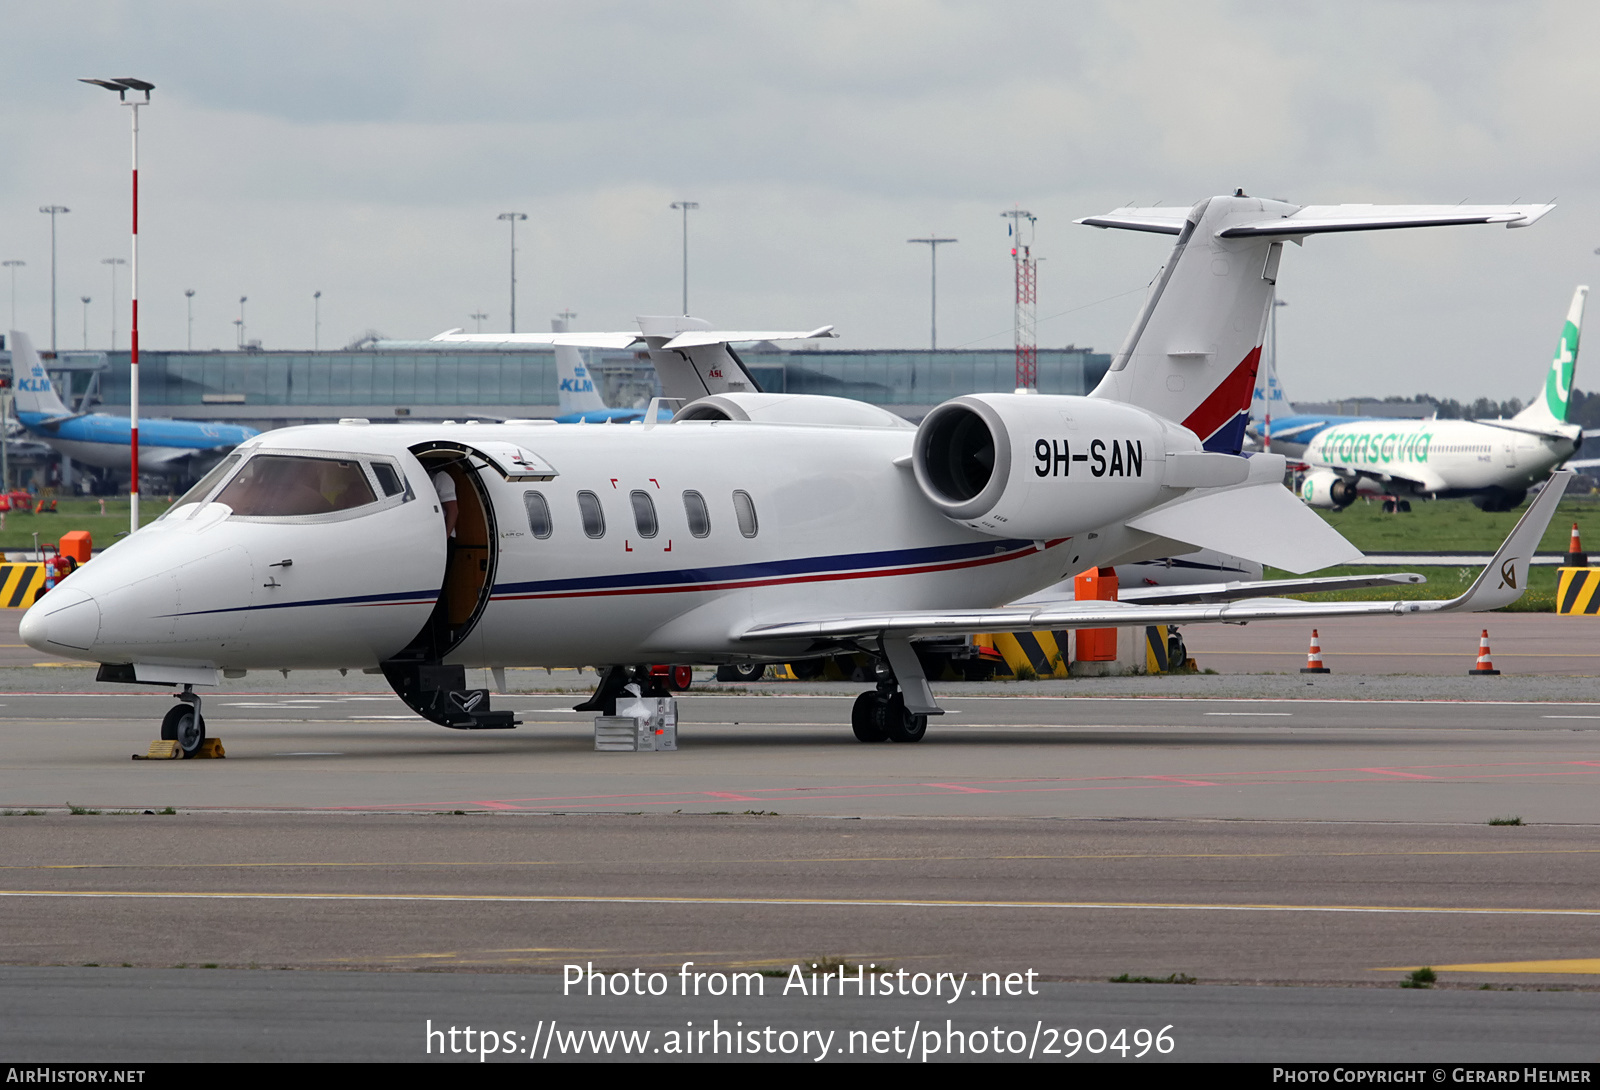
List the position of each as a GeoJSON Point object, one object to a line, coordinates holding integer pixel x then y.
{"type": "Point", "coordinates": [1492, 461]}
{"type": "Point", "coordinates": [181, 448]}
{"type": "Point", "coordinates": [752, 526]}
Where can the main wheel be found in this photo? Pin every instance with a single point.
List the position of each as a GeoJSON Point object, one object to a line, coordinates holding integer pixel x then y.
{"type": "Point", "coordinates": [187, 727]}
{"type": "Point", "coordinates": [679, 678]}
{"type": "Point", "coordinates": [736, 671]}
{"type": "Point", "coordinates": [867, 717]}
{"type": "Point", "coordinates": [901, 725]}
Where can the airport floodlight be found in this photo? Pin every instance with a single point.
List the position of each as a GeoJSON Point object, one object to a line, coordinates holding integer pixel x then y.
{"type": "Point", "coordinates": [53, 210]}
{"type": "Point", "coordinates": [933, 245]}
{"type": "Point", "coordinates": [316, 321]}
{"type": "Point", "coordinates": [512, 218]}
{"type": "Point", "coordinates": [687, 207]}
{"type": "Point", "coordinates": [239, 321]}
{"type": "Point", "coordinates": [114, 262]}
{"type": "Point", "coordinates": [122, 85]}
{"type": "Point", "coordinates": [86, 302]}
{"type": "Point", "coordinates": [188, 299]}
{"type": "Point", "coordinates": [13, 266]}
{"type": "Point", "coordinates": [478, 316]}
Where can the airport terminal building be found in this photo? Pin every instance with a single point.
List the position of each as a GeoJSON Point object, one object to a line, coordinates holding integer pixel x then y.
{"type": "Point", "coordinates": [276, 389]}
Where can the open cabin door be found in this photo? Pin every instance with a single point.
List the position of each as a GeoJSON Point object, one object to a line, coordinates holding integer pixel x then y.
{"type": "Point", "coordinates": [418, 674]}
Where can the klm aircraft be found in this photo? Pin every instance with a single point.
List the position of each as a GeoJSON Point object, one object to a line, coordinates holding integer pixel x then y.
{"type": "Point", "coordinates": [170, 448]}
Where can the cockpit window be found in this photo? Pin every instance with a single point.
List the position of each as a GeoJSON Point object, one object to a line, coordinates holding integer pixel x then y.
{"type": "Point", "coordinates": [389, 478]}
{"type": "Point", "coordinates": [200, 491]}
{"type": "Point", "coordinates": [280, 485]}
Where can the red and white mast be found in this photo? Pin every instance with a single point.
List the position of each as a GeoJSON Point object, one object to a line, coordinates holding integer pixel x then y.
{"type": "Point", "coordinates": [1026, 313]}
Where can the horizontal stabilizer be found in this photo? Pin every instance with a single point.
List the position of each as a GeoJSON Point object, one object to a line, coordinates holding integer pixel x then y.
{"type": "Point", "coordinates": [1262, 522]}
{"type": "Point", "coordinates": [1317, 219]}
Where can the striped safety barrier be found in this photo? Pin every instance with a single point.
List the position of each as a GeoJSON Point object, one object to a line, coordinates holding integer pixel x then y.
{"type": "Point", "coordinates": [1578, 591]}
{"type": "Point", "coordinates": [20, 584]}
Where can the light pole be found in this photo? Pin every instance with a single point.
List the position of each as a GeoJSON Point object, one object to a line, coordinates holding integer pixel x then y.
{"type": "Point", "coordinates": [13, 266]}
{"type": "Point", "coordinates": [113, 262]}
{"type": "Point", "coordinates": [687, 206]}
{"type": "Point", "coordinates": [53, 210]}
{"type": "Point", "coordinates": [478, 316]}
{"type": "Point", "coordinates": [512, 218]}
{"type": "Point", "coordinates": [933, 245]}
{"type": "Point", "coordinates": [316, 321]}
{"type": "Point", "coordinates": [85, 322]}
{"type": "Point", "coordinates": [122, 85]}
{"type": "Point", "coordinates": [188, 300]}
{"type": "Point", "coordinates": [239, 321]}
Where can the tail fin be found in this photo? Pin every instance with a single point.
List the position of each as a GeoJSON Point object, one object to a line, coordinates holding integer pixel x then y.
{"type": "Point", "coordinates": [575, 387]}
{"type": "Point", "coordinates": [1194, 350]}
{"type": "Point", "coordinates": [34, 394]}
{"type": "Point", "coordinates": [1550, 406]}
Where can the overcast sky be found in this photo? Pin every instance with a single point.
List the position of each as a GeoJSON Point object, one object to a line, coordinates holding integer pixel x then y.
{"type": "Point", "coordinates": [364, 149]}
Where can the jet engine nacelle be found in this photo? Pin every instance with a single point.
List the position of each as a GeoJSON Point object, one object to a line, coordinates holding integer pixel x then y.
{"type": "Point", "coordinates": [1040, 466]}
{"type": "Point", "coordinates": [1325, 488]}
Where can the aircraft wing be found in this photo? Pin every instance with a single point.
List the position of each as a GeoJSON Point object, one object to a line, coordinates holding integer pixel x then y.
{"type": "Point", "coordinates": [1264, 588]}
{"type": "Point", "coordinates": [1500, 583]}
{"type": "Point", "coordinates": [691, 339]}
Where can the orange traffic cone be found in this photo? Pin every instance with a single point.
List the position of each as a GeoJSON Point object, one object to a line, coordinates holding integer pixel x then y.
{"type": "Point", "coordinates": [1314, 658]}
{"type": "Point", "coordinates": [1484, 668]}
{"type": "Point", "coordinates": [1576, 557]}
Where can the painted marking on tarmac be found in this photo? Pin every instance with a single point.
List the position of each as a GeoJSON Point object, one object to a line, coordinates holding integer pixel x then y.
{"type": "Point", "coordinates": [310, 753]}
{"type": "Point", "coordinates": [1284, 715]}
{"type": "Point", "coordinates": [1133, 782]}
{"type": "Point", "coordinates": [1586, 966]}
{"type": "Point", "coordinates": [807, 902]}
{"type": "Point", "coordinates": [1569, 717]}
{"type": "Point", "coordinates": [1109, 857]}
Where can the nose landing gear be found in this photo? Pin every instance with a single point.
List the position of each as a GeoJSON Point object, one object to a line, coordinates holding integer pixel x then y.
{"type": "Point", "coordinates": [184, 724]}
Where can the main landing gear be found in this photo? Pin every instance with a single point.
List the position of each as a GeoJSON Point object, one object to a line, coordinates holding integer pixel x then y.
{"type": "Point", "coordinates": [881, 715]}
{"type": "Point", "coordinates": [184, 724]}
{"type": "Point", "coordinates": [898, 709]}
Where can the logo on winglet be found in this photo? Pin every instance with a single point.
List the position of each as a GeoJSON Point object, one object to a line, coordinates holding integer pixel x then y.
{"type": "Point", "coordinates": [1508, 573]}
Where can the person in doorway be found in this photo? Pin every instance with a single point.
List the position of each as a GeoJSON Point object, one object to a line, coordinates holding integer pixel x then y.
{"type": "Point", "coordinates": [445, 486]}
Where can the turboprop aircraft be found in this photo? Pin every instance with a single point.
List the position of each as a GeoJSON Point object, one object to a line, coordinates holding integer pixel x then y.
{"type": "Point", "coordinates": [181, 448]}
{"type": "Point", "coordinates": [752, 527]}
{"type": "Point", "coordinates": [1493, 462]}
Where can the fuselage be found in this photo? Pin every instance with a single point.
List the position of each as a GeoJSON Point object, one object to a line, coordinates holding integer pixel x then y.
{"type": "Point", "coordinates": [105, 441]}
{"type": "Point", "coordinates": [648, 544]}
{"type": "Point", "coordinates": [1442, 458]}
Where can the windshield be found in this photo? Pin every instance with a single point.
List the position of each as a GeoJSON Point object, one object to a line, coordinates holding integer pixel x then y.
{"type": "Point", "coordinates": [199, 492]}
{"type": "Point", "coordinates": [281, 484]}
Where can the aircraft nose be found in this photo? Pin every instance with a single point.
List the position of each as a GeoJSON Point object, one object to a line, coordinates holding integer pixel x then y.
{"type": "Point", "coordinates": [65, 621]}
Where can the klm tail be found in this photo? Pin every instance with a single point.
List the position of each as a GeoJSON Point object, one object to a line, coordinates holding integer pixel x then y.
{"type": "Point", "coordinates": [574, 386]}
{"type": "Point", "coordinates": [34, 394]}
{"type": "Point", "coordinates": [1550, 406]}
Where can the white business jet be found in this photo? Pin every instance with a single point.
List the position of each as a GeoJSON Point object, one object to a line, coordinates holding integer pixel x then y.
{"type": "Point", "coordinates": [752, 526]}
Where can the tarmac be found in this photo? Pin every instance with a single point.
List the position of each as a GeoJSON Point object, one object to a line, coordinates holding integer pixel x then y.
{"type": "Point", "coordinates": [1297, 845]}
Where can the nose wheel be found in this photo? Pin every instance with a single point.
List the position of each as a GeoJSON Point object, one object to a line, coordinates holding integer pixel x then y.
{"type": "Point", "coordinates": [184, 724]}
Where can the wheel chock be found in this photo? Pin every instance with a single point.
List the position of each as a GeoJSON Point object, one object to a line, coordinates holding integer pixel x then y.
{"type": "Point", "coordinates": [169, 751]}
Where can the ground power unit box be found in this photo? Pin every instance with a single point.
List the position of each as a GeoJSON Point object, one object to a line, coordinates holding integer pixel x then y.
{"type": "Point", "coordinates": [641, 725]}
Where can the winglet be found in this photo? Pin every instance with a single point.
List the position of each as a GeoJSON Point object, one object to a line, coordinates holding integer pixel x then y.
{"type": "Point", "coordinates": [1505, 577]}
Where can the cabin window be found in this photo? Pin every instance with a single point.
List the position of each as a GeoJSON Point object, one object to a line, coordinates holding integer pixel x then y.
{"type": "Point", "coordinates": [644, 514]}
{"type": "Point", "coordinates": [539, 524]}
{"type": "Point", "coordinates": [699, 515]}
{"type": "Point", "coordinates": [745, 508]}
{"type": "Point", "coordinates": [283, 485]}
{"type": "Point", "coordinates": [389, 478]}
{"type": "Point", "coordinates": [594, 519]}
